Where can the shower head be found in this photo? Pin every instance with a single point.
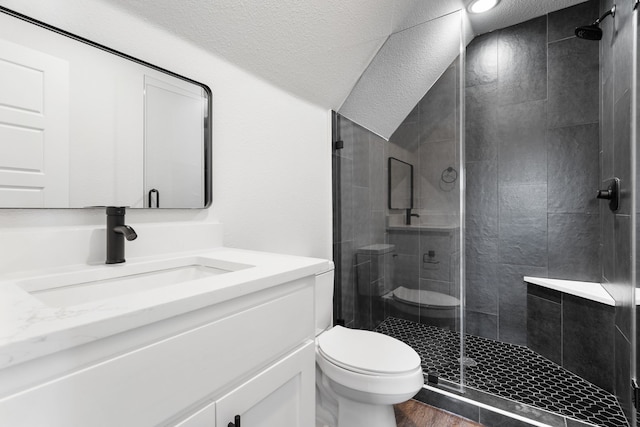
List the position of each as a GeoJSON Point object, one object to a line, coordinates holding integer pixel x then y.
{"type": "Point", "coordinates": [589, 32]}
{"type": "Point", "coordinates": [593, 31]}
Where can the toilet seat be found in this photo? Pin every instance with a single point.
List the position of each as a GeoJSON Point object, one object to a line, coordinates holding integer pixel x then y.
{"type": "Point", "coordinates": [383, 368]}
{"type": "Point", "coordinates": [425, 298]}
{"type": "Point", "coordinates": [360, 352]}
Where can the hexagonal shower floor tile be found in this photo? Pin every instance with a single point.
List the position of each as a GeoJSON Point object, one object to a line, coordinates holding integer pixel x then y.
{"type": "Point", "coordinates": [506, 370]}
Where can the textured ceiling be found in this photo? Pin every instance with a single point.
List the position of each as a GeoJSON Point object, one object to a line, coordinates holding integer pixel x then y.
{"type": "Point", "coordinates": [319, 49]}
{"type": "Point", "coordinates": [401, 73]}
{"type": "Point", "coordinates": [316, 49]}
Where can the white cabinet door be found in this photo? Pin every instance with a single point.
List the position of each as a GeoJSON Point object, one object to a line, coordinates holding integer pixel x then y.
{"type": "Point", "coordinates": [282, 395]}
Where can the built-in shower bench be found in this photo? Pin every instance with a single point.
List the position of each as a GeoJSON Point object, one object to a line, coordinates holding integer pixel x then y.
{"type": "Point", "coordinates": [589, 290]}
{"type": "Point", "coordinates": [572, 323]}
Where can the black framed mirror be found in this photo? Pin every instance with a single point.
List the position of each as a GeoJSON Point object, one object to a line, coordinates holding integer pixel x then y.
{"type": "Point", "coordinates": [83, 125]}
{"type": "Point", "coordinates": [400, 184]}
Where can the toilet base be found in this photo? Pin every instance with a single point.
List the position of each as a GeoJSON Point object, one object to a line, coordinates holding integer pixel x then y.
{"type": "Point", "coordinates": [358, 414]}
{"type": "Point", "coordinates": [338, 406]}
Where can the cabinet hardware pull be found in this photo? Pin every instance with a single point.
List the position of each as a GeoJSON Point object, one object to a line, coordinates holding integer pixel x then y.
{"type": "Point", "coordinates": [235, 423]}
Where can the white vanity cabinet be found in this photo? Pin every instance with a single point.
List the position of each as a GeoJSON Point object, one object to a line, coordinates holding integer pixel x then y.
{"type": "Point", "coordinates": [252, 356]}
{"type": "Point", "coordinates": [281, 395]}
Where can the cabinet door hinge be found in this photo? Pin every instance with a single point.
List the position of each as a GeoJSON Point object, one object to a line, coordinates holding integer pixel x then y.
{"type": "Point", "coordinates": [338, 145]}
{"type": "Point", "coordinates": [635, 393]}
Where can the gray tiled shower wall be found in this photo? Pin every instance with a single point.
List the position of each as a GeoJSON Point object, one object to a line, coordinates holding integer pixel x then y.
{"type": "Point", "coordinates": [428, 139]}
{"type": "Point", "coordinates": [532, 160]}
{"type": "Point", "coordinates": [547, 121]}
{"type": "Point", "coordinates": [362, 217]}
{"type": "Point", "coordinates": [615, 158]}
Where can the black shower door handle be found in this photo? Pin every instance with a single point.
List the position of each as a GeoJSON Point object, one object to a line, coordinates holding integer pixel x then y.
{"type": "Point", "coordinates": [611, 193]}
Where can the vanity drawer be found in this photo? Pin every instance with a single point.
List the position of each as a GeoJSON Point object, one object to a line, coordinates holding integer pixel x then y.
{"type": "Point", "coordinates": [153, 384]}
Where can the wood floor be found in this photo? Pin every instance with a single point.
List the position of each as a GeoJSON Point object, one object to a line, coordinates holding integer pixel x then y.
{"type": "Point", "coordinates": [416, 414]}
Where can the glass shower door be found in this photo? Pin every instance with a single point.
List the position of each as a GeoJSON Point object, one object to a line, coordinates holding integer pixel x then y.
{"type": "Point", "coordinates": [397, 223]}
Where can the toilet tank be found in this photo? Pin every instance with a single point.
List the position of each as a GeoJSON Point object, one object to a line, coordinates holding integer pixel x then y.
{"type": "Point", "coordinates": [324, 301]}
{"type": "Point", "coordinates": [374, 269]}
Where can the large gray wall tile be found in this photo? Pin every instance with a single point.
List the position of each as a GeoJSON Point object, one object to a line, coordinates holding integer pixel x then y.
{"type": "Point", "coordinates": [481, 324]}
{"type": "Point", "coordinates": [563, 22]}
{"type": "Point", "coordinates": [347, 131]}
{"type": "Point", "coordinates": [606, 133]}
{"type": "Point", "coordinates": [588, 340]}
{"type": "Point", "coordinates": [523, 241]}
{"type": "Point", "coordinates": [522, 200]}
{"type": "Point", "coordinates": [347, 220]}
{"type": "Point", "coordinates": [482, 198]}
{"type": "Point", "coordinates": [622, 151]}
{"type": "Point", "coordinates": [573, 101]}
{"type": "Point", "coordinates": [622, 46]}
{"type": "Point", "coordinates": [414, 115]}
{"type": "Point", "coordinates": [407, 270]}
{"type": "Point", "coordinates": [438, 109]}
{"type": "Point", "coordinates": [512, 301]}
{"type": "Point", "coordinates": [363, 226]}
{"type": "Point", "coordinates": [607, 255]}
{"type": "Point", "coordinates": [407, 136]}
{"type": "Point", "coordinates": [480, 250]}
{"type": "Point", "coordinates": [482, 60]}
{"type": "Point", "coordinates": [522, 155]}
{"type": "Point", "coordinates": [606, 44]}
{"type": "Point", "coordinates": [574, 247]}
{"type": "Point", "coordinates": [377, 177]}
{"type": "Point", "coordinates": [573, 154]}
{"type": "Point", "coordinates": [481, 125]}
{"type": "Point", "coordinates": [361, 158]}
{"type": "Point", "coordinates": [622, 288]}
{"type": "Point", "coordinates": [348, 279]}
{"type": "Point", "coordinates": [481, 289]}
{"type": "Point", "coordinates": [544, 328]}
{"type": "Point", "coordinates": [406, 242]}
{"type": "Point", "coordinates": [522, 62]}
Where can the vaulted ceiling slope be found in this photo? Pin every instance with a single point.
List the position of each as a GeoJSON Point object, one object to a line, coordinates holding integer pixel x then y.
{"type": "Point", "coordinates": [319, 49]}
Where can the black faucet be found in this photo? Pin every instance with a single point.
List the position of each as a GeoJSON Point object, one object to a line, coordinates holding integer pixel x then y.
{"type": "Point", "coordinates": [409, 215]}
{"type": "Point", "coordinates": [117, 231]}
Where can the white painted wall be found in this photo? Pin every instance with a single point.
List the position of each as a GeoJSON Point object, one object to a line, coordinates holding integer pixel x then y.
{"type": "Point", "coordinates": [272, 158]}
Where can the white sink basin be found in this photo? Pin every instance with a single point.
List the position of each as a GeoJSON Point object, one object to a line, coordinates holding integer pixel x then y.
{"type": "Point", "coordinates": [101, 282]}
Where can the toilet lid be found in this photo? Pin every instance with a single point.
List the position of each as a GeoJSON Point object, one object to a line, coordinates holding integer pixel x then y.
{"type": "Point", "coordinates": [424, 298]}
{"type": "Point", "coordinates": [366, 351]}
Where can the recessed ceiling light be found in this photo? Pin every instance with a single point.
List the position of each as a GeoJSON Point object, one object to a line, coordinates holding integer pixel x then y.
{"type": "Point", "coordinates": [479, 6]}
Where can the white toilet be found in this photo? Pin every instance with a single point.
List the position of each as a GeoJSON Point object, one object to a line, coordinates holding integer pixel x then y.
{"type": "Point", "coordinates": [359, 374]}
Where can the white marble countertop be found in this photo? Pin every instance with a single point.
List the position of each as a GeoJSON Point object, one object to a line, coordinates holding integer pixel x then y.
{"type": "Point", "coordinates": [31, 329]}
{"type": "Point", "coordinates": [590, 290]}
